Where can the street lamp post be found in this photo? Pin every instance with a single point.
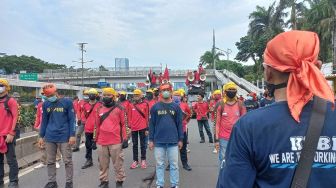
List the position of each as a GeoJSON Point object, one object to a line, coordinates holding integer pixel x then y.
{"type": "Point", "coordinates": [82, 49]}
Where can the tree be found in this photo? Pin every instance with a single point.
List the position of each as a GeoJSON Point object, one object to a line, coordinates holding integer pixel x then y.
{"type": "Point", "coordinates": [297, 9]}
{"type": "Point", "coordinates": [208, 58]}
{"type": "Point", "coordinates": [102, 68]}
{"type": "Point", "coordinates": [15, 64]}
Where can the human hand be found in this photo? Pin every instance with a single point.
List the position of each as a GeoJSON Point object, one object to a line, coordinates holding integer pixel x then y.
{"type": "Point", "coordinates": [9, 138]}
{"type": "Point", "coordinates": [180, 145]}
{"type": "Point", "coordinates": [72, 140]}
{"type": "Point", "coordinates": [217, 146]}
{"type": "Point", "coordinates": [146, 133]}
{"type": "Point", "coordinates": [41, 143]}
{"type": "Point", "coordinates": [151, 145]}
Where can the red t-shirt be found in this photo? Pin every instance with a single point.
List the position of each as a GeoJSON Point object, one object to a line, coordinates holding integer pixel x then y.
{"type": "Point", "coordinates": [90, 117]}
{"type": "Point", "coordinates": [108, 131]}
{"type": "Point", "coordinates": [8, 120]}
{"type": "Point", "coordinates": [137, 121]}
{"type": "Point", "coordinates": [201, 109]}
{"type": "Point", "coordinates": [186, 113]}
{"type": "Point", "coordinates": [228, 118]}
{"type": "Point", "coordinates": [80, 112]}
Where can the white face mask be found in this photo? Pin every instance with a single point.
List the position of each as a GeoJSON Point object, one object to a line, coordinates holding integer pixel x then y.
{"type": "Point", "coordinates": [2, 89]}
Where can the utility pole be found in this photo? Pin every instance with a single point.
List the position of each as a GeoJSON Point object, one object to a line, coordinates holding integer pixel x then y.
{"type": "Point", "coordinates": [82, 49]}
{"type": "Point", "coordinates": [213, 49]}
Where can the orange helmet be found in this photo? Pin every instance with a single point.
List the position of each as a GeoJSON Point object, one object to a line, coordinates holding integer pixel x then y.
{"type": "Point", "coordinates": [166, 86]}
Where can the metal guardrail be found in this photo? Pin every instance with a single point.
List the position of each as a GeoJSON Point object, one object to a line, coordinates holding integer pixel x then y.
{"type": "Point", "coordinates": [241, 81]}
{"type": "Point", "coordinates": [225, 80]}
{"type": "Point", "coordinates": [139, 73]}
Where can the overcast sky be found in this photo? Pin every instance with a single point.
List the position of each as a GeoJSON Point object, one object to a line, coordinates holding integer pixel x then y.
{"type": "Point", "coordinates": [148, 32]}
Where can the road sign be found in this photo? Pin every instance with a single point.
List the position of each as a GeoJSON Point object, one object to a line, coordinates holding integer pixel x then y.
{"type": "Point", "coordinates": [103, 84]}
{"type": "Point", "coordinates": [29, 76]}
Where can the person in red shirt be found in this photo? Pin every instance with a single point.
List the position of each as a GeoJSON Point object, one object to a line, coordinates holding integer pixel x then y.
{"type": "Point", "coordinates": [8, 119]}
{"type": "Point", "coordinates": [229, 110]}
{"type": "Point", "coordinates": [150, 98]}
{"type": "Point", "coordinates": [89, 110]}
{"type": "Point", "coordinates": [160, 78]}
{"type": "Point", "coordinates": [80, 115]}
{"type": "Point", "coordinates": [216, 97]}
{"type": "Point", "coordinates": [139, 126]}
{"type": "Point", "coordinates": [110, 133]}
{"type": "Point", "coordinates": [153, 80]}
{"type": "Point", "coordinates": [186, 115]}
{"type": "Point", "coordinates": [202, 109]}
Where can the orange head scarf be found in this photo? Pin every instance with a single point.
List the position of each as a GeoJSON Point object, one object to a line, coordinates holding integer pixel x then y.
{"type": "Point", "coordinates": [297, 52]}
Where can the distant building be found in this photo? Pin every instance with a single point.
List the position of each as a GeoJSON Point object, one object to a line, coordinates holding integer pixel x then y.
{"type": "Point", "coordinates": [121, 64]}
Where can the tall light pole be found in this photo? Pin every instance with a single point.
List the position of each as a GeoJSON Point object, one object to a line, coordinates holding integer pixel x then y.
{"type": "Point", "coordinates": [213, 49]}
{"type": "Point", "coordinates": [82, 49]}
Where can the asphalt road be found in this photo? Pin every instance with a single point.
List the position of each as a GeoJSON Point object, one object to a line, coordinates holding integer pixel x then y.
{"type": "Point", "coordinates": [203, 162]}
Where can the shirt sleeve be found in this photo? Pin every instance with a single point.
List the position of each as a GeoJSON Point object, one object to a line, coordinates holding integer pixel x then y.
{"type": "Point", "coordinates": [238, 169]}
{"type": "Point", "coordinates": [71, 118]}
{"type": "Point", "coordinates": [44, 120]}
{"type": "Point", "coordinates": [151, 124]}
{"type": "Point", "coordinates": [13, 107]}
{"type": "Point", "coordinates": [38, 118]}
{"type": "Point", "coordinates": [179, 123]}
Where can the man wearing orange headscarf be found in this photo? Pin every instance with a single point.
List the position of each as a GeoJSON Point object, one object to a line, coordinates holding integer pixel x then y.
{"type": "Point", "coordinates": [265, 144]}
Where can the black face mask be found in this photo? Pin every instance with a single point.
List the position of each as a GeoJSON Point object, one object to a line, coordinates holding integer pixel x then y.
{"type": "Point", "coordinates": [108, 101]}
{"type": "Point", "coordinates": [92, 97]}
{"type": "Point", "coordinates": [231, 94]}
{"type": "Point", "coordinates": [149, 96]}
{"type": "Point", "coordinates": [272, 87]}
{"type": "Point", "coordinates": [157, 93]}
{"type": "Point", "coordinates": [122, 98]}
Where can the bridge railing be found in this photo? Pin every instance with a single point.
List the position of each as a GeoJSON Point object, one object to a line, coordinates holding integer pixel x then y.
{"type": "Point", "coordinates": [225, 80]}
{"type": "Point", "coordinates": [241, 81]}
{"type": "Point", "coordinates": [138, 73]}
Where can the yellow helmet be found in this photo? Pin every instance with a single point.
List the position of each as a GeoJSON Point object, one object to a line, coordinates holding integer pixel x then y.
{"type": "Point", "coordinates": [109, 90]}
{"type": "Point", "coordinates": [229, 85]}
{"type": "Point", "coordinates": [137, 92]}
{"type": "Point", "coordinates": [85, 91]}
{"type": "Point", "coordinates": [93, 91]}
{"type": "Point", "coordinates": [177, 93]}
{"type": "Point", "coordinates": [149, 91]}
{"type": "Point", "coordinates": [217, 92]}
{"type": "Point", "coordinates": [5, 83]}
{"type": "Point", "coordinates": [182, 92]}
{"type": "Point", "coordinates": [122, 93]}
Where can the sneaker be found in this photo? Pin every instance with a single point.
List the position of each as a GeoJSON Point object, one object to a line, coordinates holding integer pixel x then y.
{"type": "Point", "coordinates": [87, 164]}
{"type": "Point", "coordinates": [134, 165]}
{"type": "Point", "coordinates": [68, 185]}
{"type": "Point", "coordinates": [143, 164]}
{"type": "Point", "coordinates": [58, 165]}
{"type": "Point", "coordinates": [75, 150]}
{"type": "Point", "coordinates": [13, 184]}
{"type": "Point", "coordinates": [51, 185]}
{"type": "Point", "coordinates": [119, 184]}
{"type": "Point", "coordinates": [104, 184]}
{"type": "Point", "coordinates": [187, 167]}
{"type": "Point", "coordinates": [215, 151]}
{"type": "Point", "coordinates": [202, 141]}
{"type": "Point", "coordinates": [188, 150]}
{"type": "Point", "coordinates": [41, 165]}
{"type": "Point", "coordinates": [159, 187]}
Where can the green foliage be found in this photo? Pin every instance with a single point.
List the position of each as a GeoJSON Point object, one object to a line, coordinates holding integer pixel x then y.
{"type": "Point", "coordinates": [14, 64]}
{"type": "Point", "coordinates": [27, 116]}
{"type": "Point", "coordinates": [208, 57]}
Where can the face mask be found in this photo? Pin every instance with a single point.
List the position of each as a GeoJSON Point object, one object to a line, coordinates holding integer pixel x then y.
{"type": "Point", "coordinates": [86, 97]}
{"type": "Point", "coordinates": [149, 96]}
{"type": "Point", "coordinates": [107, 100]}
{"type": "Point", "coordinates": [122, 98]}
{"type": "Point", "coordinates": [231, 94]}
{"type": "Point", "coordinates": [217, 97]}
{"type": "Point", "coordinates": [156, 94]}
{"type": "Point", "coordinates": [2, 89]}
{"type": "Point", "coordinates": [272, 87]}
{"type": "Point", "coordinates": [249, 98]}
{"type": "Point", "coordinates": [52, 99]}
{"type": "Point", "coordinates": [92, 97]}
{"type": "Point", "coordinates": [176, 99]}
{"type": "Point", "coordinates": [166, 94]}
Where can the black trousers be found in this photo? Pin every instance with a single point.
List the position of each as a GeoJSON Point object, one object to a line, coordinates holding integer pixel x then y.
{"type": "Point", "coordinates": [89, 142]}
{"type": "Point", "coordinates": [183, 151]}
{"type": "Point", "coordinates": [135, 139]}
{"type": "Point", "coordinates": [12, 163]}
{"type": "Point", "coordinates": [205, 124]}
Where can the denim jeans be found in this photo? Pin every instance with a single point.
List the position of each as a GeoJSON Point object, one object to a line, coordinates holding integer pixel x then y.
{"type": "Point", "coordinates": [160, 153]}
{"type": "Point", "coordinates": [222, 148]}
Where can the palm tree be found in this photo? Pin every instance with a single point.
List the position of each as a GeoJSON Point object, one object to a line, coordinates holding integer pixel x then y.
{"type": "Point", "coordinates": [321, 18]}
{"type": "Point", "coordinates": [265, 21]}
{"type": "Point", "coordinates": [297, 9]}
{"type": "Point", "coordinates": [208, 58]}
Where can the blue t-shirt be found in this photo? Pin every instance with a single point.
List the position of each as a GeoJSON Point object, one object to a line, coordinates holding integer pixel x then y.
{"type": "Point", "coordinates": [58, 121]}
{"type": "Point", "coordinates": [265, 146]}
{"type": "Point", "coordinates": [265, 102]}
{"type": "Point", "coordinates": [165, 126]}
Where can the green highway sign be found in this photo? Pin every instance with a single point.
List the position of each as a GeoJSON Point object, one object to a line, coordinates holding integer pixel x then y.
{"type": "Point", "coordinates": [28, 76]}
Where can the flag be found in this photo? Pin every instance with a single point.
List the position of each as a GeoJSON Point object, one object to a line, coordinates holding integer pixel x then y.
{"type": "Point", "coordinates": [149, 76]}
{"type": "Point", "coordinates": [166, 74]}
